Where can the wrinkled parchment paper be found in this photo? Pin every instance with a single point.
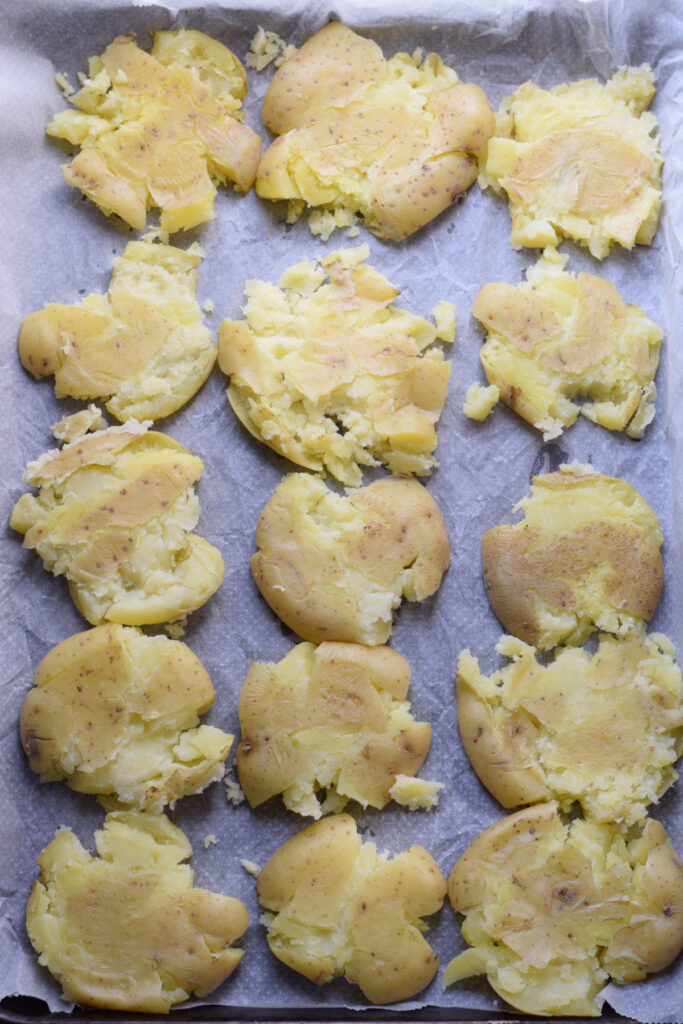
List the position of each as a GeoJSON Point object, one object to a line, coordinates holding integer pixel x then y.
{"type": "Point", "coordinates": [58, 247]}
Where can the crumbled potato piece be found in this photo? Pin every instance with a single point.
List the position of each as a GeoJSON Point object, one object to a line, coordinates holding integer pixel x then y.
{"type": "Point", "coordinates": [334, 568]}
{"type": "Point", "coordinates": [266, 48]}
{"type": "Point", "coordinates": [479, 401]}
{"type": "Point", "coordinates": [552, 911]}
{"type": "Point", "coordinates": [329, 373]}
{"type": "Point", "coordinates": [580, 161]}
{"type": "Point", "coordinates": [143, 344]}
{"type": "Point", "coordinates": [558, 336]}
{"type": "Point", "coordinates": [395, 141]}
{"type": "Point", "coordinates": [70, 428]}
{"type": "Point", "coordinates": [604, 730]}
{"type": "Point", "coordinates": [113, 514]}
{"type": "Point", "coordinates": [585, 557]}
{"type": "Point", "coordinates": [116, 713]}
{"type": "Point", "coordinates": [160, 129]}
{"type": "Point", "coordinates": [332, 718]}
{"type": "Point", "coordinates": [126, 930]}
{"type": "Point", "coordinates": [338, 907]}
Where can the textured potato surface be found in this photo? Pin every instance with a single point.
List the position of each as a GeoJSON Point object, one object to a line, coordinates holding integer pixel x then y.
{"type": "Point", "coordinates": [332, 718]}
{"type": "Point", "coordinates": [338, 907]}
{"type": "Point", "coordinates": [116, 713]}
{"type": "Point", "coordinates": [334, 568]}
{"type": "Point", "coordinates": [125, 930]}
{"type": "Point", "coordinates": [329, 373]}
{"type": "Point", "coordinates": [160, 129]}
{"type": "Point", "coordinates": [604, 730]}
{"type": "Point", "coordinates": [585, 557]}
{"type": "Point", "coordinates": [113, 514]}
{"type": "Point", "coordinates": [558, 337]}
{"type": "Point", "coordinates": [553, 911]}
{"type": "Point", "coordinates": [394, 141]}
{"type": "Point", "coordinates": [143, 345]}
{"type": "Point", "coordinates": [579, 161]}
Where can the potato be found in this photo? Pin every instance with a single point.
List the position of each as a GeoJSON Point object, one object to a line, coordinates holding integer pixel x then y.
{"type": "Point", "coordinates": [143, 344]}
{"type": "Point", "coordinates": [552, 911]}
{"type": "Point", "coordinates": [395, 141]}
{"type": "Point", "coordinates": [160, 130]}
{"type": "Point", "coordinates": [603, 730]}
{"type": "Point", "coordinates": [126, 930]}
{"type": "Point", "coordinates": [329, 373]}
{"type": "Point", "coordinates": [558, 337]}
{"type": "Point", "coordinates": [338, 907]}
{"type": "Point", "coordinates": [580, 161]}
{"type": "Point", "coordinates": [116, 713]}
{"type": "Point", "coordinates": [585, 557]}
{"type": "Point", "coordinates": [113, 514]}
{"type": "Point", "coordinates": [334, 718]}
{"type": "Point", "coordinates": [334, 568]}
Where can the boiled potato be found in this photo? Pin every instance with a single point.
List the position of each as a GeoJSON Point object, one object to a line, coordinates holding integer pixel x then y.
{"type": "Point", "coordinates": [335, 906]}
{"type": "Point", "coordinates": [116, 713]}
{"type": "Point", "coordinates": [603, 730]}
{"type": "Point", "coordinates": [160, 130]}
{"type": "Point", "coordinates": [143, 344]}
{"type": "Point", "coordinates": [113, 514]}
{"type": "Point", "coordinates": [329, 373]}
{"type": "Point", "coordinates": [334, 718]}
{"type": "Point", "coordinates": [580, 161]}
{"type": "Point", "coordinates": [126, 930]}
{"type": "Point", "coordinates": [395, 141]}
{"type": "Point", "coordinates": [553, 911]}
{"type": "Point", "coordinates": [334, 568]}
{"type": "Point", "coordinates": [558, 337]}
{"type": "Point", "coordinates": [585, 557]}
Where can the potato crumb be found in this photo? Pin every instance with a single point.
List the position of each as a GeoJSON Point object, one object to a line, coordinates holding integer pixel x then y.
{"type": "Point", "coordinates": [176, 630]}
{"type": "Point", "coordinates": [444, 316]}
{"type": "Point", "coordinates": [69, 428]}
{"type": "Point", "coordinates": [210, 840]}
{"type": "Point", "coordinates": [208, 306]}
{"type": "Point", "coordinates": [251, 867]}
{"type": "Point", "coordinates": [154, 233]}
{"type": "Point", "coordinates": [415, 794]}
{"type": "Point", "coordinates": [64, 84]}
{"type": "Point", "coordinates": [233, 790]}
{"type": "Point", "coordinates": [549, 427]}
{"type": "Point", "coordinates": [480, 400]}
{"type": "Point", "coordinates": [268, 47]}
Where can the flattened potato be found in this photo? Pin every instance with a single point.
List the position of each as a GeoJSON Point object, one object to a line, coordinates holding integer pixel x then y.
{"type": "Point", "coordinates": [394, 141]}
{"type": "Point", "coordinates": [116, 713]}
{"type": "Point", "coordinates": [604, 730]}
{"type": "Point", "coordinates": [337, 907]}
{"type": "Point", "coordinates": [334, 718]}
{"type": "Point", "coordinates": [581, 161]}
{"type": "Point", "coordinates": [113, 514]}
{"type": "Point", "coordinates": [585, 557]}
{"type": "Point", "coordinates": [552, 911]}
{"type": "Point", "coordinates": [126, 930]}
{"type": "Point", "coordinates": [334, 568]}
{"type": "Point", "coordinates": [143, 344]}
{"type": "Point", "coordinates": [557, 337]}
{"type": "Point", "coordinates": [330, 374]}
{"type": "Point", "coordinates": [160, 129]}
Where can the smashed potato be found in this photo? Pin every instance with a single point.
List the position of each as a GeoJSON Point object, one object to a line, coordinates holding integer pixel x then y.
{"type": "Point", "coordinates": [113, 514]}
{"type": "Point", "coordinates": [327, 372]}
{"type": "Point", "coordinates": [558, 337]}
{"type": "Point", "coordinates": [395, 141]}
{"type": "Point", "coordinates": [552, 911]}
{"type": "Point", "coordinates": [143, 344]}
{"type": "Point", "coordinates": [332, 718]}
{"type": "Point", "coordinates": [585, 557]}
{"type": "Point", "coordinates": [116, 713]}
{"type": "Point", "coordinates": [338, 907]}
{"type": "Point", "coordinates": [334, 568]}
{"type": "Point", "coordinates": [580, 161]}
{"type": "Point", "coordinates": [126, 930]}
{"type": "Point", "coordinates": [160, 129]}
{"type": "Point", "coordinates": [603, 730]}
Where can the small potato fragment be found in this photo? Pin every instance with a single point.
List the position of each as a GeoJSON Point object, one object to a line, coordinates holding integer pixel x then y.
{"type": "Point", "coordinates": [116, 713]}
{"type": "Point", "coordinates": [143, 344]}
{"type": "Point", "coordinates": [552, 911]}
{"type": "Point", "coordinates": [125, 930]}
{"type": "Point", "coordinates": [333, 718]}
{"type": "Point", "coordinates": [338, 907]}
{"type": "Point", "coordinates": [585, 557]}
{"type": "Point", "coordinates": [334, 568]}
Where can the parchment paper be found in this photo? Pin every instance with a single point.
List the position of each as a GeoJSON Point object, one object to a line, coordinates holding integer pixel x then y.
{"type": "Point", "coordinates": [58, 247]}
